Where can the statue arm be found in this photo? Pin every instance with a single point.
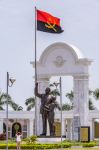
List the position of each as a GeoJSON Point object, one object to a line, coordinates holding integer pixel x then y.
{"type": "Point", "coordinates": [36, 91]}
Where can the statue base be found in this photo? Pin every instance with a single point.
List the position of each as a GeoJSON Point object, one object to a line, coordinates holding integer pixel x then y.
{"type": "Point", "coordinates": [50, 139]}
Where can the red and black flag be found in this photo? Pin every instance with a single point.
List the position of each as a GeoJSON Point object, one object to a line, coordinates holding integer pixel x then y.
{"type": "Point", "coordinates": [48, 23]}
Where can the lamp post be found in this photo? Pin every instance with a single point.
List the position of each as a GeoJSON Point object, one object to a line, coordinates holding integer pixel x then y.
{"type": "Point", "coordinates": [10, 82]}
{"type": "Point", "coordinates": [56, 89]}
{"type": "Point", "coordinates": [56, 85]}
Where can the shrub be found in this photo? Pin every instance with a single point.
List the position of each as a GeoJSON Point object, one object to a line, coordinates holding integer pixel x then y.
{"type": "Point", "coordinates": [31, 139]}
{"type": "Point", "coordinates": [90, 144]}
{"type": "Point", "coordinates": [3, 136]}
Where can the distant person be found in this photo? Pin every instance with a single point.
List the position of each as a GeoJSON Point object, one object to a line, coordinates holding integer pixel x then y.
{"type": "Point", "coordinates": [18, 139]}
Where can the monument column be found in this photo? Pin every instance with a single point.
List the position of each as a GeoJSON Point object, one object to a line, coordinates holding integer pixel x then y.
{"type": "Point", "coordinates": [30, 127]}
{"type": "Point", "coordinates": [1, 126]}
{"type": "Point", "coordinates": [42, 84]}
{"type": "Point", "coordinates": [69, 129]}
{"type": "Point", "coordinates": [81, 110]}
{"type": "Point", "coordinates": [81, 92]}
{"type": "Point", "coordinates": [92, 129]}
{"type": "Point", "coordinates": [63, 127]}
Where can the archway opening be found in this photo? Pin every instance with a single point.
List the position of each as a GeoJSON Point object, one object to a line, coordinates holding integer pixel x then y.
{"type": "Point", "coordinates": [67, 87]}
{"type": "Point", "coordinates": [96, 128]}
{"type": "Point", "coordinates": [67, 100]}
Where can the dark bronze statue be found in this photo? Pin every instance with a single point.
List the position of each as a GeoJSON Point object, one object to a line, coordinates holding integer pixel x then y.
{"type": "Point", "coordinates": [48, 103]}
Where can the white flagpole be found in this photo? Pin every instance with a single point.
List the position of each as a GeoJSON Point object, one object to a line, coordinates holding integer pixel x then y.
{"type": "Point", "coordinates": [61, 107]}
{"type": "Point", "coordinates": [35, 70]}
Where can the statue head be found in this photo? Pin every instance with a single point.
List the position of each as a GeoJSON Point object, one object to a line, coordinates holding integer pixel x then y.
{"type": "Point", "coordinates": [53, 99]}
{"type": "Point", "coordinates": [47, 90]}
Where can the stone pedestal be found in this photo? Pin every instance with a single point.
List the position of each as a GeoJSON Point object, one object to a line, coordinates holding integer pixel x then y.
{"type": "Point", "coordinates": [76, 128]}
{"type": "Point", "coordinates": [50, 139]}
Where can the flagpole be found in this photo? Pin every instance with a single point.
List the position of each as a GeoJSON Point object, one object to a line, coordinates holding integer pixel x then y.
{"type": "Point", "coordinates": [35, 71]}
{"type": "Point", "coordinates": [61, 107]}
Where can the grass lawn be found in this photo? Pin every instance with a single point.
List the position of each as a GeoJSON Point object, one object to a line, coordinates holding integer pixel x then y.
{"type": "Point", "coordinates": [82, 149]}
{"type": "Point", "coordinates": [70, 149]}
{"type": "Point", "coordinates": [75, 149]}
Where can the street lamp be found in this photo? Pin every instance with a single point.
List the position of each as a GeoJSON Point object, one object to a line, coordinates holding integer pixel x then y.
{"type": "Point", "coordinates": [10, 82]}
{"type": "Point", "coordinates": [56, 85]}
{"type": "Point", "coordinates": [56, 89]}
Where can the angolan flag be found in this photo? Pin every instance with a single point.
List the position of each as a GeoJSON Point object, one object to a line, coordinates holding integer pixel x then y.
{"type": "Point", "coordinates": [48, 23]}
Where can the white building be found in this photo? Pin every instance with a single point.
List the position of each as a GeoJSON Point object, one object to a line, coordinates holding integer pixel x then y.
{"type": "Point", "coordinates": [26, 121]}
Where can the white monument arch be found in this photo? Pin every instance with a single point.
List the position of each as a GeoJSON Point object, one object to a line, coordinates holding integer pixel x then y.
{"type": "Point", "coordinates": [61, 59]}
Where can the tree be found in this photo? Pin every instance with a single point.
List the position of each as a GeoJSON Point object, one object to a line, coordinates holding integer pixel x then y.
{"type": "Point", "coordinates": [70, 96]}
{"type": "Point", "coordinates": [17, 107]}
{"type": "Point", "coordinates": [96, 94]}
{"type": "Point", "coordinates": [4, 98]}
{"type": "Point", "coordinates": [55, 91]}
{"type": "Point", "coordinates": [30, 103]}
{"type": "Point", "coordinates": [66, 107]}
{"type": "Point", "coordinates": [91, 106]}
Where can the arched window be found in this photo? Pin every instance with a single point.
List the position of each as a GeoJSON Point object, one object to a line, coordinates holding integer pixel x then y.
{"type": "Point", "coordinates": [4, 128]}
{"type": "Point", "coordinates": [16, 127]}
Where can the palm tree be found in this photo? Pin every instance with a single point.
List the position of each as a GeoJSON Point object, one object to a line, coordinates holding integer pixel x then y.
{"type": "Point", "coordinates": [96, 94]}
{"type": "Point", "coordinates": [66, 107]}
{"type": "Point", "coordinates": [30, 103]}
{"type": "Point", "coordinates": [16, 107]}
{"type": "Point", "coordinates": [4, 98]}
{"type": "Point", "coordinates": [70, 96]}
{"type": "Point", "coordinates": [55, 91]}
{"type": "Point", "coordinates": [91, 106]}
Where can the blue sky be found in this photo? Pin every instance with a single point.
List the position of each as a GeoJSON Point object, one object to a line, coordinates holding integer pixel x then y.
{"type": "Point", "coordinates": [80, 21]}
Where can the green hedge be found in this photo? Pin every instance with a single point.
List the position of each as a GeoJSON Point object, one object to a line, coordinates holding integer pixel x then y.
{"type": "Point", "coordinates": [90, 144]}
{"type": "Point", "coordinates": [46, 146]}
{"type": "Point", "coordinates": [37, 146]}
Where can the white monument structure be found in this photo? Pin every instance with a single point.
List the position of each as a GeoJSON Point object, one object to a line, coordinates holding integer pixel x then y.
{"type": "Point", "coordinates": [59, 59]}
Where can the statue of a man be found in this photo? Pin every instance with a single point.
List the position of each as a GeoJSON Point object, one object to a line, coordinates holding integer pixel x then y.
{"type": "Point", "coordinates": [49, 109]}
{"type": "Point", "coordinates": [44, 99]}
{"type": "Point", "coordinates": [48, 103]}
